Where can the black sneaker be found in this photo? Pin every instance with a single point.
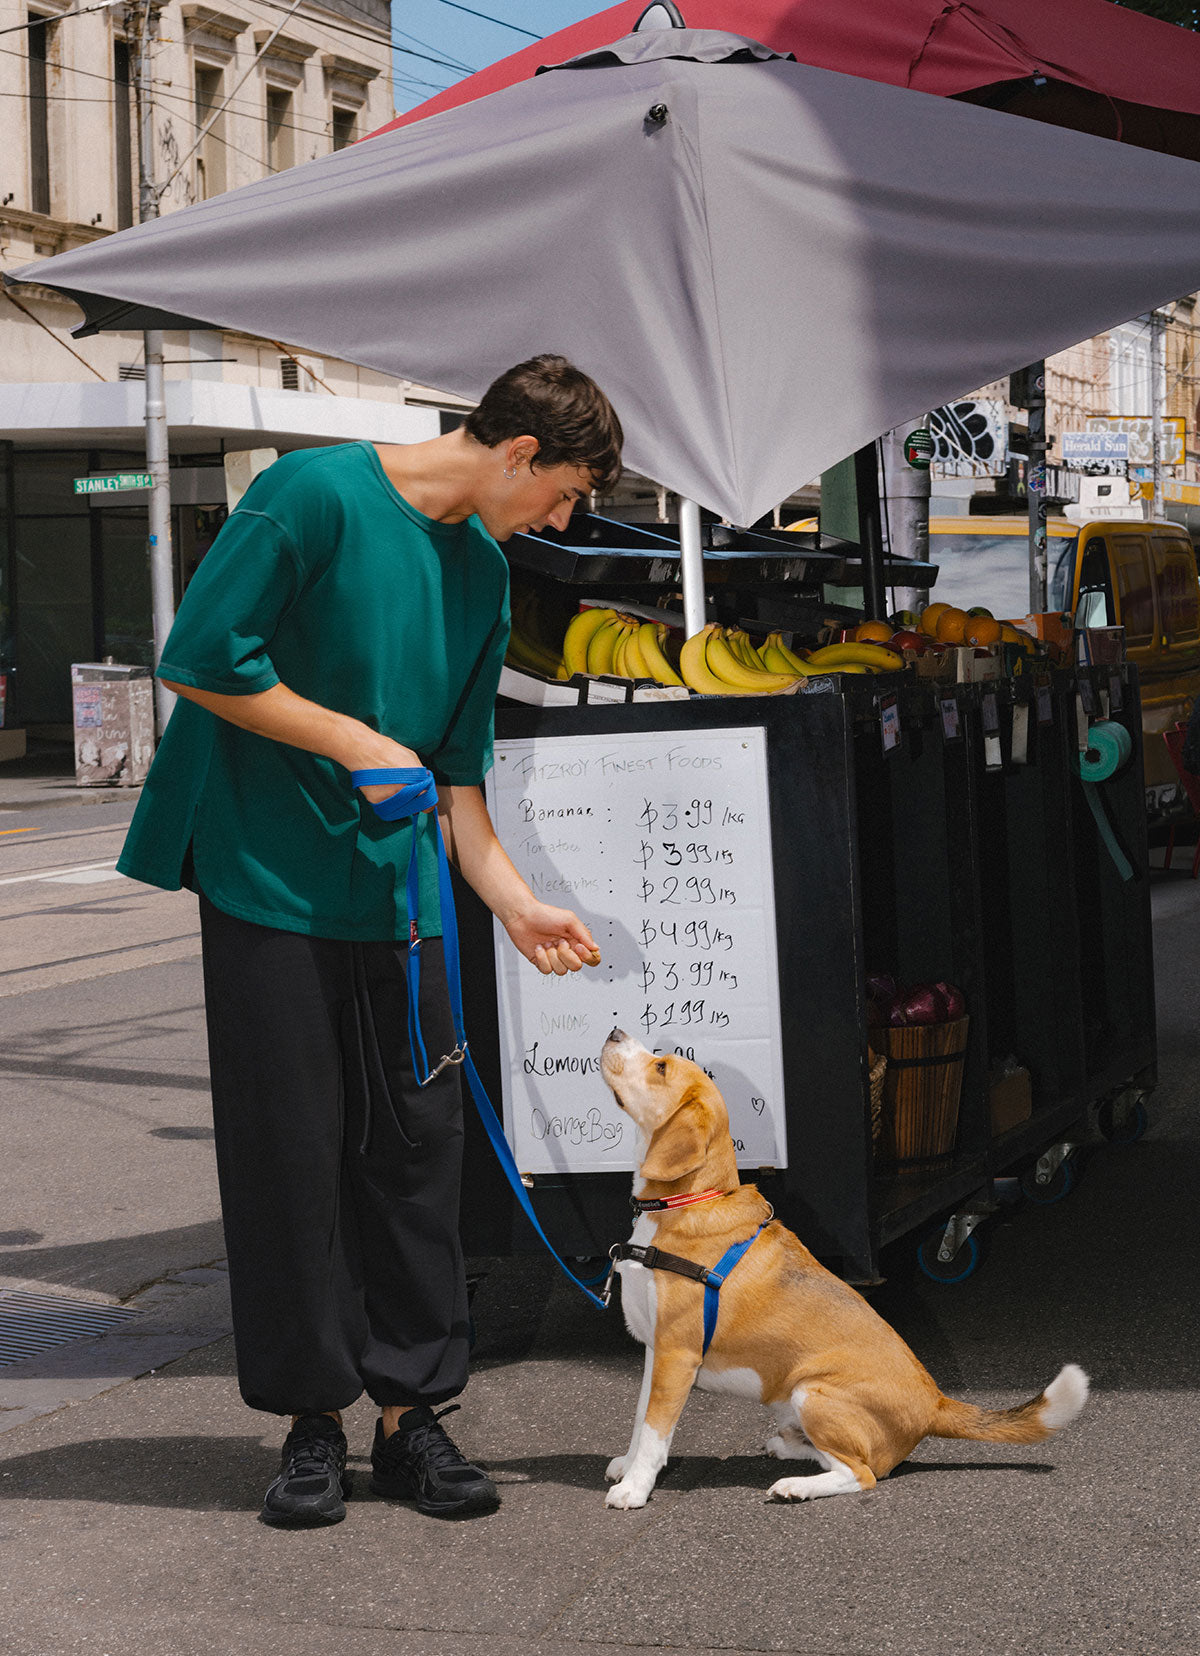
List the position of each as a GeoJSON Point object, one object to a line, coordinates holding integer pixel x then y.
{"type": "Point", "coordinates": [420, 1463]}
{"type": "Point", "coordinates": [312, 1482]}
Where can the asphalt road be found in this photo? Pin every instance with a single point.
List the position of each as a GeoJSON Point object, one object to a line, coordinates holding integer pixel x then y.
{"type": "Point", "coordinates": [66, 915]}
{"type": "Point", "coordinates": [127, 1505]}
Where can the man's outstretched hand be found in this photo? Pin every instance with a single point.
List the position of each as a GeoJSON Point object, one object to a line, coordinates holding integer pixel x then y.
{"type": "Point", "coordinates": [553, 939]}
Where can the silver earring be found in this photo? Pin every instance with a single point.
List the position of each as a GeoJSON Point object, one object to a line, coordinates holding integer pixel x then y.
{"type": "Point", "coordinates": [511, 474]}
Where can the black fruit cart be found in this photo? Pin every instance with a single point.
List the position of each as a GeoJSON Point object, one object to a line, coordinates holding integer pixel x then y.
{"type": "Point", "coordinates": [950, 840]}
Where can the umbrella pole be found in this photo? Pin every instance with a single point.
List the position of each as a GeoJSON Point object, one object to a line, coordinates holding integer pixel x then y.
{"type": "Point", "coordinates": [692, 561]}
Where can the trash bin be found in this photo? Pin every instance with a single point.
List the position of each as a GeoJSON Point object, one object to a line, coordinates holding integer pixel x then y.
{"type": "Point", "coordinates": [114, 723]}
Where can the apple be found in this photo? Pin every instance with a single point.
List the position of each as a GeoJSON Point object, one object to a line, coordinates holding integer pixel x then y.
{"type": "Point", "coordinates": [908, 640]}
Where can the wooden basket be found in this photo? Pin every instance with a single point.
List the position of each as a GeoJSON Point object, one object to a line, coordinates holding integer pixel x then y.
{"type": "Point", "coordinates": [877, 1069]}
{"type": "Point", "coordinates": [921, 1089]}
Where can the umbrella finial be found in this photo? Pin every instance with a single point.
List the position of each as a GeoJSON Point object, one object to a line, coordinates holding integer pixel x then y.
{"type": "Point", "coordinates": [661, 15]}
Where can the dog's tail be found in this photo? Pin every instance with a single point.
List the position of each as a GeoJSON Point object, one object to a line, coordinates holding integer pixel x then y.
{"type": "Point", "coordinates": [1030, 1422]}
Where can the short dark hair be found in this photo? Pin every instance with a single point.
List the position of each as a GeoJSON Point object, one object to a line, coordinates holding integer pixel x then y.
{"type": "Point", "coordinates": [550, 399]}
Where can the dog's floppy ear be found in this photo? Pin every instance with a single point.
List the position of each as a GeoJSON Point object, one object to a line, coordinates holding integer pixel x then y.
{"type": "Point", "coordinates": [680, 1145]}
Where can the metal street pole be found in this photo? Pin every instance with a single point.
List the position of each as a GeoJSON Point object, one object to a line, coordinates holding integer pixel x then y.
{"type": "Point", "coordinates": [1158, 379]}
{"type": "Point", "coordinates": [1035, 486]}
{"type": "Point", "coordinates": [906, 491]}
{"type": "Point", "coordinates": [162, 562]}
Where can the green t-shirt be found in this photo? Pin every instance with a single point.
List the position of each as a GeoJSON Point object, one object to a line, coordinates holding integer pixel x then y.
{"type": "Point", "coordinates": [326, 580]}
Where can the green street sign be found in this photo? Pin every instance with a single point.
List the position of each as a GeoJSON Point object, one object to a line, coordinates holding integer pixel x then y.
{"type": "Point", "coordinates": [112, 482]}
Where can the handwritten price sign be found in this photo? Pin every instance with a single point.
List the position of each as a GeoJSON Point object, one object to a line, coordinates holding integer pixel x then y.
{"type": "Point", "coordinates": [661, 841]}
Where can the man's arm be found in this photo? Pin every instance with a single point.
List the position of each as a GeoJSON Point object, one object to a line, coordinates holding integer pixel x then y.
{"type": "Point", "coordinates": [283, 716]}
{"type": "Point", "coordinates": [554, 939]}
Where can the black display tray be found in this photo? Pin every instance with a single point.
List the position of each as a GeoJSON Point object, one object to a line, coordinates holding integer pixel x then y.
{"type": "Point", "coordinates": [596, 550]}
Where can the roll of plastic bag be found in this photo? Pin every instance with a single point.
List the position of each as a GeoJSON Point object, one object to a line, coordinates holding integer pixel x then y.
{"type": "Point", "coordinates": [1109, 747]}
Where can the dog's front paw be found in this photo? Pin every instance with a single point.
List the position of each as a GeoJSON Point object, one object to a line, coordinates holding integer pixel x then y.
{"type": "Point", "coordinates": [615, 1468]}
{"type": "Point", "coordinates": [776, 1447]}
{"type": "Point", "coordinates": [626, 1496]}
{"type": "Point", "coordinates": [791, 1489]}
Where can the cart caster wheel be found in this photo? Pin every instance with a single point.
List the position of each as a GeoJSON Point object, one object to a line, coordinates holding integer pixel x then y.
{"type": "Point", "coordinates": [1060, 1183]}
{"type": "Point", "coordinates": [1123, 1129]}
{"type": "Point", "coordinates": [947, 1271]}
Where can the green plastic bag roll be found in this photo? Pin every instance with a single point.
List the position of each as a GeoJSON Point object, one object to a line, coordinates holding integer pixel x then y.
{"type": "Point", "coordinates": [1109, 747]}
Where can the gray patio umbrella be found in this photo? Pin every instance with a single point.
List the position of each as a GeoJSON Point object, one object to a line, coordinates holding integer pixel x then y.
{"type": "Point", "coordinates": [763, 263]}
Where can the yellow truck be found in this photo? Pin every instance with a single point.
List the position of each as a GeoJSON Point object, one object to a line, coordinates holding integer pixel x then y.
{"type": "Point", "coordinates": [1107, 572]}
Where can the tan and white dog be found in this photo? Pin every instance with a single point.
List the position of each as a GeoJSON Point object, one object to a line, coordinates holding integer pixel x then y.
{"type": "Point", "coordinates": [844, 1389]}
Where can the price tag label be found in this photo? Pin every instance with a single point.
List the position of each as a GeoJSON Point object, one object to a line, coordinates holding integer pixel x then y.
{"type": "Point", "coordinates": [889, 722]}
{"type": "Point", "coordinates": [1020, 734]}
{"type": "Point", "coordinates": [1045, 704]}
{"type": "Point", "coordinates": [991, 713]}
{"type": "Point", "coordinates": [1087, 695]}
{"type": "Point", "coordinates": [1116, 692]}
{"type": "Point", "coordinates": [951, 726]}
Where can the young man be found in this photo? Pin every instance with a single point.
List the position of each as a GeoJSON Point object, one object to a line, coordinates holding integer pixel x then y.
{"type": "Point", "coordinates": [352, 615]}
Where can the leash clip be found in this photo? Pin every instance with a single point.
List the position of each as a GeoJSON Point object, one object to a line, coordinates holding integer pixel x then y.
{"type": "Point", "coordinates": [456, 1057]}
{"type": "Point", "coordinates": [607, 1291]}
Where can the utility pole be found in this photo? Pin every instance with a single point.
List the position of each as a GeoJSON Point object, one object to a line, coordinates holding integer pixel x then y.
{"type": "Point", "coordinates": [162, 562]}
{"type": "Point", "coordinates": [1158, 379]}
{"type": "Point", "coordinates": [1035, 485]}
{"type": "Point", "coordinates": [906, 490]}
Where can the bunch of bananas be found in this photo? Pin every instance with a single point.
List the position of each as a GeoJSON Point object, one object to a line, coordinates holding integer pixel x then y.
{"type": "Point", "coordinates": [605, 641]}
{"type": "Point", "coordinates": [526, 652]}
{"type": "Point", "coordinates": [855, 657]}
{"type": "Point", "coordinates": [715, 662]}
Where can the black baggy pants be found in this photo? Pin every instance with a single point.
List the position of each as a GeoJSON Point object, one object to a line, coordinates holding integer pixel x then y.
{"type": "Point", "coordinates": [339, 1176]}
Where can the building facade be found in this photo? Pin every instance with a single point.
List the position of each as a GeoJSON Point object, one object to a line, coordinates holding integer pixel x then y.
{"type": "Point", "coordinates": [1119, 377]}
{"type": "Point", "coordinates": [237, 92]}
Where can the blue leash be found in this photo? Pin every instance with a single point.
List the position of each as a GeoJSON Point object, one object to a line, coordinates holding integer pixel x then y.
{"type": "Point", "coordinates": [418, 793]}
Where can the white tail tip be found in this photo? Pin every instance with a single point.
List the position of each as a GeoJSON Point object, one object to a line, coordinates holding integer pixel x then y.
{"type": "Point", "coordinates": [1065, 1396]}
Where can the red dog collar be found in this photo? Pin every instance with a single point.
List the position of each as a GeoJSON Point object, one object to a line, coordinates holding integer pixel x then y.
{"type": "Point", "coordinates": [659, 1204]}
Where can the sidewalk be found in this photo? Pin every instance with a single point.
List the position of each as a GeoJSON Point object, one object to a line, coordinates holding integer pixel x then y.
{"type": "Point", "coordinates": [129, 1518]}
{"type": "Point", "coordinates": [46, 776]}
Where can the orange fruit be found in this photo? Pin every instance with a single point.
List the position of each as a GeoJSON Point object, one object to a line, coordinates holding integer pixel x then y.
{"type": "Point", "coordinates": [952, 625]}
{"type": "Point", "coordinates": [983, 630]}
{"type": "Point", "coordinates": [873, 632]}
{"type": "Point", "coordinates": [929, 619]}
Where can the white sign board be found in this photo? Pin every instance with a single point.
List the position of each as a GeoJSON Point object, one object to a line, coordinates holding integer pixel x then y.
{"type": "Point", "coordinates": [1139, 428]}
{"type": "Point", "coordinates": [661, 841]}
{"type": "Point", "coordinates": [1094, 445]}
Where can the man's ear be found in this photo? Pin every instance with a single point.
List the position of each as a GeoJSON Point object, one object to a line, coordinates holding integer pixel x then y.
{"type": "Point", "coordinates": [679, 1146]}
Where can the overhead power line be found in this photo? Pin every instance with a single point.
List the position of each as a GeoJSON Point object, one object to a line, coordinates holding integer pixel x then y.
{"type": "Point", "coordinates": [39, 22]}
{"type": "Point", "coordinates": [161, 189]}
{"type": "Point", "coordinates": [337, 28]}
{"type": "Point", "coordinates": [487, 18]}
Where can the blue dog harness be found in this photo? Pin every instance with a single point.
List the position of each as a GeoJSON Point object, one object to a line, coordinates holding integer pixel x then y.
{"type": "Point", "coordinates": [712, 1276]}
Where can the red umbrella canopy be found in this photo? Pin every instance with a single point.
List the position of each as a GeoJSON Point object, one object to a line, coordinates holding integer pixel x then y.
{"type": "Point", "coordinates": [1101, 68]}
